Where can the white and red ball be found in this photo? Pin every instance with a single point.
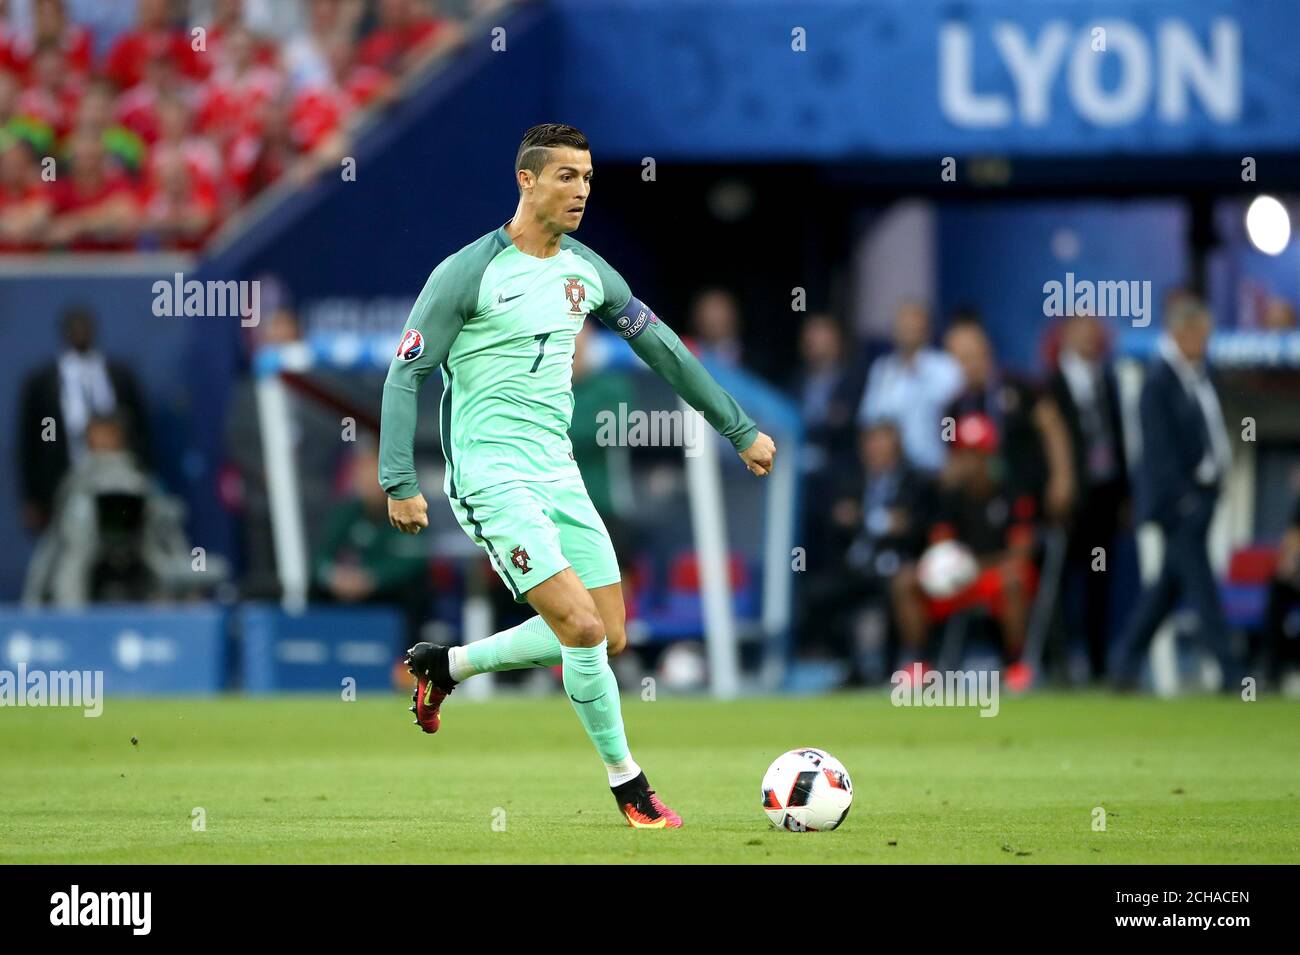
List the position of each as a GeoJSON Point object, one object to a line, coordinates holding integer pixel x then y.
{"type": "Point", "coordinates": [807, 790]}
{"type": "Point", "coordinates": [946, 569]}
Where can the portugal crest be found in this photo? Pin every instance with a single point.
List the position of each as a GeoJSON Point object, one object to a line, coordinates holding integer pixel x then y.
{"type": "Point", "coordinates": [576, 293]}
{"type": "Point", "coordinates": [519, 557]}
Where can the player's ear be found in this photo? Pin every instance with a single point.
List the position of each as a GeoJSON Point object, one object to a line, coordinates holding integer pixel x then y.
{"type": "Point", "coordinates": [525, 179]}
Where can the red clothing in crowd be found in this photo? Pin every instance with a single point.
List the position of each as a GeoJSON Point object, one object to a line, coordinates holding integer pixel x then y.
{"type": "Point", "coordinates": [319, 111]}
{"type": "Point", "coordinates": [159, 207]}
{"type": "Point", "coordinates": [38, 193]}
{"type": "Point", "coordinates": [385, 48]}
{"type": "Point", "coordinates": [206, 64]}
{"type": "Point", "coordinates": [58, 110]}
{"type": "Point", "coordinates": [17, 53]}
{"type": "Point", "coordinates": [137, 110]}
{"type": "Point", "coordinates": [7, 62]}
{"type": "Point", "coordinates": [200, 157]}
{"type": "Point", "coordinates": [127, 59]}
{"type": "Point", "coordinates": [229, 100]}
{"type": "Point", "coordinates": [74, 195]}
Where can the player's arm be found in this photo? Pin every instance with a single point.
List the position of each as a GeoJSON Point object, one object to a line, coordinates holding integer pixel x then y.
{"type": "Point", "coordinates": [659, 347]}
{"type": "Point", "coordinates": [436, 319]}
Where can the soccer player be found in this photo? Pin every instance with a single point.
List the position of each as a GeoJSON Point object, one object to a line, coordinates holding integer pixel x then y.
{"type": "Point", "coordinates": [499, 319]}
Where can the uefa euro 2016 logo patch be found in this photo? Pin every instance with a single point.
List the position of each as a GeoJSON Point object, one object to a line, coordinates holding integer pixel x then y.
{"type": "Point", "coordinates": [412, 345]}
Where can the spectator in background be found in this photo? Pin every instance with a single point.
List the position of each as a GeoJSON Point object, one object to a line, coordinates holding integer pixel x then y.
{"type": "Point", "coordinates": [51, 30]}
{"type": "Point", "coordinates": [1282, 617]}
{"type": "Point", "coordinates": [97, 119]}
{"type": "Point", "coordinates": [228, 17]}
{"type": "Point", "coordinates": [26, 203]}
{"type": "Point", "coordinates": [155, 35]}
{"type": "Point", "coordinates": [1186, 454]}
{"type": "Point", "coordinates": [58, 402]}
{"type": "Point", "coordinates": [363, 558]}
{"type": "Point", "coordinates": [321, 113]}
{"type": "Point", "coordinates": [115, 535]}
{"type": "Point", "coordinates": [354, 84]}
{"type": "Point", "coordinates": [1085, 391]}
{"type": "Point", "coordinates": [52, 94]}
{"type": "Point", "coordinates": [407, 36]}
{"type": "Point", "coordinates": [911, 386]}
{"type": "Point", "coordinates": [715, 325]}
{"type": "Point", "coordinates": [269, 18]}
{"type": "Point", "coordinates": [263, 152]}
{"type": "Point", "coordinates": [177, 140]}
{"type": "Point", "coordinates": [304, 56]}
{"type": "Point", "coordinates": [96, 204]}
{"type": "Point", "coordinates": [240, 87]}
{"type": "Point", "coordinates": [242, 121]}
{"type": "Point", "coordinates": [137, 107]}
{"type": "Point", "coordinates": [826, 388]}
{"type": "Point", "coordinates": [1033, 443]}
{"type": "Point", "coordinates": [7, 39]}
{"type": "Point", "coordinates": [977, 508]}
{"type": "Point", "coordinates": [892, 516]}
{"type": "Point", "coordinates": [875, 523]}
{"type": "Point", "coordinates": [178, 211]}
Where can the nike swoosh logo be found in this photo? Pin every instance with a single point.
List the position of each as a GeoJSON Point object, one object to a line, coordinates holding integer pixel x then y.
{"type": "Point", "coordinates": [501, 299]}
{"type": "Point", "coordinates": [576, 700]}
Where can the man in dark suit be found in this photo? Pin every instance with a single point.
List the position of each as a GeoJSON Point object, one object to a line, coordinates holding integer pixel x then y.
{"type": "Point", "coordinates": [1086, 393]}
{"type": "Point", "coordinates": [827, 386]}
{"type": "Point", "coordinates": [1186, 454]}
{"type": "Point", "coordinates": [879, 514]}
{"type": "Point", "coordinates": [59, 401]}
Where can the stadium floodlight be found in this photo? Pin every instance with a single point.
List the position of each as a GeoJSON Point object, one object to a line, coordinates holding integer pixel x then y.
{"type": "Point", "coordinates": [1268, 225]}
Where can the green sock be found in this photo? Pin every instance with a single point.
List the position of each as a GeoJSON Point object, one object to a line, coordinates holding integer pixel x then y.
{"type": "Point", "coordinates": [593, 691]}
{"type": "Point", "coordinates": [531, 644]}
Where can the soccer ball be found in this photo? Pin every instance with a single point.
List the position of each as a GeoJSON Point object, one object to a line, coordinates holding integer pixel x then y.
{"type": "Point", "coordinates": [807, 790]}
{"type": "Point", "coordinates": [946, 569]}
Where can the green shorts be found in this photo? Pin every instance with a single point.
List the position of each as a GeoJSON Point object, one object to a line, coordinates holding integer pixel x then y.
{"type": "Point", "coordinates": [532, 530]}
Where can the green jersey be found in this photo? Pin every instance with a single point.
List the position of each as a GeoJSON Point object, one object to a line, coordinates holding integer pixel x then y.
{"type": "Point", "coordinates": [500, 326]}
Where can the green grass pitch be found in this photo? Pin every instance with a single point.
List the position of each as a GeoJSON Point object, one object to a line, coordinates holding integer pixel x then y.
{"type": "Point", "coordinates": [316, 779]}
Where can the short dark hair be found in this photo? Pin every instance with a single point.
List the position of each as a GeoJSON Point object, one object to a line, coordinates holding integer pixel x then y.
{"type": "Point", "coordinates": [75, 315]}
{"type": "Point", "coordinates": [964, 319]}
{"type": "Point", "coordinates": [534, 151]}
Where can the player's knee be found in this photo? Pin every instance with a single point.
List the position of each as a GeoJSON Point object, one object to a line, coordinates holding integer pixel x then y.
{"type": "Point", "coordinates": [582, 628]}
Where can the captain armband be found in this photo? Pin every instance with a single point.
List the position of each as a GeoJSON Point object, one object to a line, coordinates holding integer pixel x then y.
{"type": "Point", "coordinates": [634, 318]}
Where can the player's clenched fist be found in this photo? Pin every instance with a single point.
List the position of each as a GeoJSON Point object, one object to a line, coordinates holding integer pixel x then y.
{"type": "Point", "coordinates": [409, 515]}
{"type": "Point", "coordinates": [758, 456]}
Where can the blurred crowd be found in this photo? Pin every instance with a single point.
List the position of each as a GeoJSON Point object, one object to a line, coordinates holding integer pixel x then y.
{"type": "Point", "coordinates": [946, 500]}
{"type": "Point", "coordinates": [149, 132]}
{"type": "Point", "coordinates": [945, 496]}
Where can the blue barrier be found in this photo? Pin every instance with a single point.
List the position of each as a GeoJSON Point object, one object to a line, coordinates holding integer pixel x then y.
{"type": "Point", "coordinates": [319, 649]}
{"type": "Point", "coordinates": [140, 651]}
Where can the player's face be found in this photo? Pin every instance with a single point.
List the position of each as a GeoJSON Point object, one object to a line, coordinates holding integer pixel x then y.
{"type": "Point", "coordinates": [560, 192]}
